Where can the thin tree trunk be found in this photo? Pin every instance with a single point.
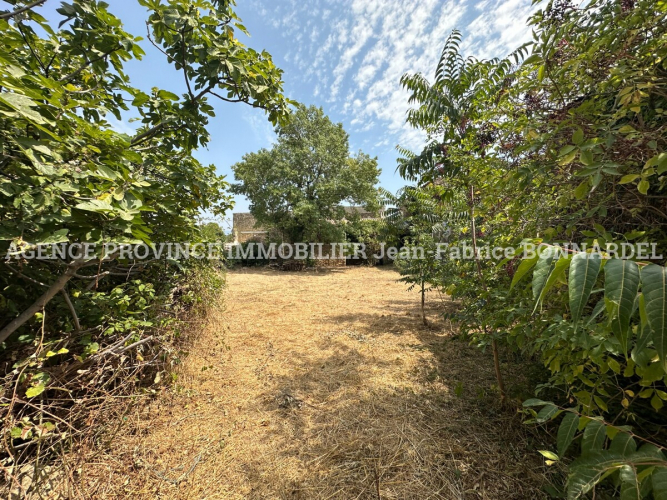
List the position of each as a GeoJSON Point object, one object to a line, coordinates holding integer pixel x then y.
{"type": "Point", "coordinates": [39, 304]}
{"type": "Point", "coordinates": [423, 299]}
{"type": "Point", "coordinates": [494, 344]}
{"type": "Point", "coordinates": [75, 318]}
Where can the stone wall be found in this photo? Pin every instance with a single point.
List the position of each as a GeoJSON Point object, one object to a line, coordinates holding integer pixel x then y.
{"type": "Point", "coordinates": [326, 250]}
{"type": "Point", "coordinates": [246, 228]}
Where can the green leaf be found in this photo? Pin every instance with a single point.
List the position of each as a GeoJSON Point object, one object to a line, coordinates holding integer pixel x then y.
{"type": "Point", "coordinates": [621, 288]}
{"type": "Point", "coordinates": [582, 190]}
{"type": "Point", "coordinates": [535, 402]}
{"type": "Point", "coordinates": [50, 354]}
{"type": "Point", "coordinates": [566, 432]}
{"type": "Point", "coordinates": [599, 307]}
{"type": "Point", "coordinates": [59, 236]}
{"type": "Point", "coordinates": [628, 178]}
{"type": "Point", "coordinates": [98, 206]}
{"type": "Point", "coordinates": [556, 274]}
{"type": "Point", "coordinates": [534, 58]}
{"type": "Point", "coordinates": [629, 483]}
{"type": "Point", "coordinates": [601, 403]}
{"type": "Point", "coordinates": [578, 136]}
{"type": "Point", "coordinates": [549, 454]}
{"type": "Point", "coordinates": [165, 94]}
{"type": "Point", "coordinates": [659, 482]}
{"type": "Point", "coordinates": [585, 472]}
{"type": "Point", "coordinates": [23, 104]}
{"type": "Point", "coordinates": [104, 172]}
{"type": "Point", "coordinates": [623, 444]}
{"type": "Point", "coordinates": [523, 269]}
{"type": "Point", "coordinates": [643, 186]}
{"type": "Point", "coordinates": [657, 403]}
{"type": "Point", "coordinates": [568, 158]}
{"type": "Point", "coordinates": [586, 157]}
{"type": "Point", "coordinates": [140, 99]}
{"type": "Point", "coordinates": [594, 436]}
{"type": "Point", "coordinates": [654, 285]}
{"type": "Point", "coordinates": [540, 72]}
{"type": "Point", "coordinates": [547, 413]}
{"type": "Point", "coordinates": [545, 264]}
{"type": "Point", "coordinates": [584, 271]}
{"type": "Point", "coordinates": [566, 150]}
{"type": "Point", "coordinates": [35, 390]}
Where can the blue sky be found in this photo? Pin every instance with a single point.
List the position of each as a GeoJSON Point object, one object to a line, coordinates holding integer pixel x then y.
{"type": "Point", "coordinates": [344, 55]}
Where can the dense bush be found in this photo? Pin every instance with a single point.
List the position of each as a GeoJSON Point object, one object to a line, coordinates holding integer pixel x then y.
{"type": "Point", "coordinates": [78, 327]}
{"type": "Point", "coordinates": [298, 186]}
{"type": "Point", "coordinates": [564, 142]}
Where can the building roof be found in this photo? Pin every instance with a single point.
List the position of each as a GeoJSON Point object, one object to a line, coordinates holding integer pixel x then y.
{"type": "Point", "coordinates": [356, 210]}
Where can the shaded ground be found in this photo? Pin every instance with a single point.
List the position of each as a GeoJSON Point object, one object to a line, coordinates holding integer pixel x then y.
{"type": "Point", "coordinates": [318, 385]}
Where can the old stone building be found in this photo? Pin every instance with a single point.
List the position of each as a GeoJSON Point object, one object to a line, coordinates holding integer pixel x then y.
{"type": "Point", "coordinates": [362, 213]}
{"type": "Point", "coordinates": [246, 228]}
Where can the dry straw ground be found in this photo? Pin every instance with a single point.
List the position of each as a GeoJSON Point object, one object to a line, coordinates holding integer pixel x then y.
{"type": "Point", "coordinates": [322, 385]}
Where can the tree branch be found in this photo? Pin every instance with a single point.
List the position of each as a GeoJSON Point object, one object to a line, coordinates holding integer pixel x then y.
{"type": "Point", "coordinates": [77, 325]}
{"type": "Point", "coordinates": [21, 275]}
{"type": "Point", "coordinates": [229, 100]}
{"type": "Point", "coordinates": [88, 63]}
{"type": "Point", "coordinates": [8, 15]}
{"type": "Point", "coordinates": [152, 131]}
{"type": "Point", "coordinates": [185, 68]}
{"type": "Point", "coordinates": [147, 134]}
{"type": "Point", "coordinates": [39, 304]}
{"type": "Point", "coordinates": [32, 51]}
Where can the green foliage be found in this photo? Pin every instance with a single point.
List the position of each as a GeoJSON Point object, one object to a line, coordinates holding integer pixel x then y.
{"type": "Point", "coordinates": [67, 176]}
{"type": "Point", "coordinates": [212, 232]}
{"type": "Point", "coordinates": [370, 232]}
{"type": "Point", "coordinates": [584, 270]}
{"type": "Point", "coordinates": [414, 221]}
{"type": "Point", "coordinates": [563, 141]}
{"type": "Point", "coordinates": [607, 452]}
{"type": "Point", "coordinates": [419, 266]}
{"type": "Point", "coordinates": [654, 281]}
{"type": "Point", "coordinates": [299, 184]}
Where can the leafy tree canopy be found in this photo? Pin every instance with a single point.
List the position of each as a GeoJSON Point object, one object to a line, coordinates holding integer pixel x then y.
{"type": "Point", "coordinates": [67, 176]}
{"type": "Point", "coordinates": [299, 184]}
{"type": "Point", "coordinates": [212, 232]}
{"type": "Point", "coordinates": [564, 142]}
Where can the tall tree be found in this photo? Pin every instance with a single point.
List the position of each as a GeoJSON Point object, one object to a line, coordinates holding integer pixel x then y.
{"type": "Point", "coordinates": [67, 176]}
{"type": "Point", "coordinates": [298, 185]}
{"type": "Point", "coordinates": [566, 145]}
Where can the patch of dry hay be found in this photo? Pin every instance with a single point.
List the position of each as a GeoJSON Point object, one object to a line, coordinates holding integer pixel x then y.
{"type": "Point", "coordinates": [323, 385]}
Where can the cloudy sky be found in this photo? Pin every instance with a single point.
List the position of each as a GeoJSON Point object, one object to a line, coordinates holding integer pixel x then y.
{"type": "Point", "coordinates": [348, 56]}
{"type": "Point", "coordinates": [344, 55]}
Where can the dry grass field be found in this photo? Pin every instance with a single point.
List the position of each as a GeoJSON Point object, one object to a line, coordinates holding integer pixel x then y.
{"type": "Point", "coordinates": [323, 385]}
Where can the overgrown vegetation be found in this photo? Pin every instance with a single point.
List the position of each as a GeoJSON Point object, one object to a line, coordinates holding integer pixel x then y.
{"type": "Point", "coordinates": [563, 142]}
{"type": "Point", "coordinates": [81, 328]}
{"type": "Point", "coordinates": [299, 184]}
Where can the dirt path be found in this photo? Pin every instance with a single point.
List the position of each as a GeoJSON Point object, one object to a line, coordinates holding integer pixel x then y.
{"type": "Point", "coordinates": [319, 385]}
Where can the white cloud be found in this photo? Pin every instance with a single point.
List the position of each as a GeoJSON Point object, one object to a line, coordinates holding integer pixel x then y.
{"type": "Point", "coordinates": [355, 51]}
{"type": "Point", "coordinates": [261, 127]}
{"type": "Point", "coordinates": [121, 126]}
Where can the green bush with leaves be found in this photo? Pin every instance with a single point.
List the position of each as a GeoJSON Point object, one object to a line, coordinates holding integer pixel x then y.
{"type": "Point", "coordinates": [564, 142]}
{"type": "Point", "coordinates": [66, 176]}
{"type": "Point", "coordinates": [413, 221]}
{"type": "Point", "coordinates": [299, 185]}
{"type": "Point", "coordinates": [608, 349]}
